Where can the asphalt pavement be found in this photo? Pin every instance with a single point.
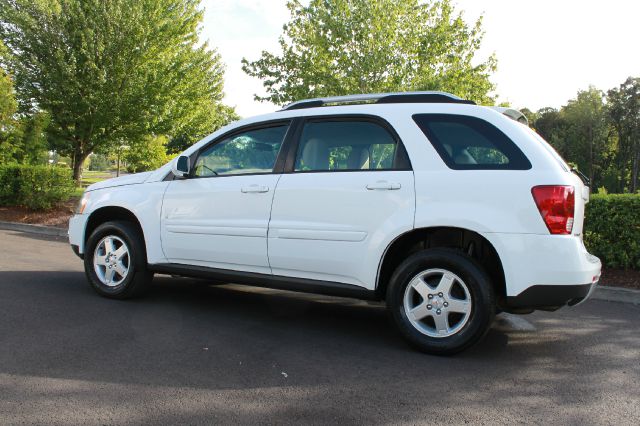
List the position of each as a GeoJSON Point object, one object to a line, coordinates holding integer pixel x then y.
{"type": "Point", "coordinates": [193, 353]}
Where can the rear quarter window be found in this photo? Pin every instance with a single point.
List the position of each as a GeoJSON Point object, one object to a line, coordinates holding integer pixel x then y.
{"type": "Point", "coordinates": [470, 143]}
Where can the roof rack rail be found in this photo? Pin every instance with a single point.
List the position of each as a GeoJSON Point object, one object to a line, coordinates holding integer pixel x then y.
{"type": "Point", "coordinates": [380, 98]}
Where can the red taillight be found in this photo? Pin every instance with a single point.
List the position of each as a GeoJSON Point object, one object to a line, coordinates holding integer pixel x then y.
{"type": "Point", "coordinates": [556, 204]}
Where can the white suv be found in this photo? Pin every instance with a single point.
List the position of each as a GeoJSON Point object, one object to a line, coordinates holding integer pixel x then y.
{"type": "Point", "coordinates": [448, 211]}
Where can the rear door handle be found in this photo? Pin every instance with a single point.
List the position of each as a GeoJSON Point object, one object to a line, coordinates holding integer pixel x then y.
{"type": "Point", "coordinates": [383, 185]}
{"type": "Point", "coordinates": [254, 189]}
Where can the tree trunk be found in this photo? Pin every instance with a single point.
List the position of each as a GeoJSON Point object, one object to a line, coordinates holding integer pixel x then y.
{"type": "Point", "coordinates": [78, 160]}
{"type": "Point", "coordinates": [591, 156]}
{"type": "Point", "coordinates": [634, 171]}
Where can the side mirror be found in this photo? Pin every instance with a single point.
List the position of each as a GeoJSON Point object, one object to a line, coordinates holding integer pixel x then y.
{"type": "Point", "coordinates": [181, 166]}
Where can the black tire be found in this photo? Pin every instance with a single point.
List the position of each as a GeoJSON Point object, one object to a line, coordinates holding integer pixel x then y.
{"type": "Point", "coordinates": [476, 280]}
{"type": "Point", "coordinates": [138, 278]}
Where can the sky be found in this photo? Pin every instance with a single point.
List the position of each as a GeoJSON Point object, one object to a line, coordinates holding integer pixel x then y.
{"type": "Point", "coordinates": [547, 50]}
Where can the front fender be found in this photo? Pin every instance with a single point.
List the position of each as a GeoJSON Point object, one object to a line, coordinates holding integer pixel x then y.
{"type": "Point", "coordinates": [144, 201]}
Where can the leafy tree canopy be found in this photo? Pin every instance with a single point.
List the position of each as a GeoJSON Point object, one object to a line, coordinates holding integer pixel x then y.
{"type": "Point", "coordinates": [339, 47]}
{"type": "Point", "coordinates": [8, 108]}
{"type": "Point", "coordinates": [624, 111]}
{"type": "Point", "coordinates": [147, 154]}
{"type": "Point", "coordinates": [8, 104]}
{"type": "Point", "coordinates": [212, 119]}
{"type": "Point", "coordinates": [587, 130]}
{"type": "Point", "coordinates": [108, 71]}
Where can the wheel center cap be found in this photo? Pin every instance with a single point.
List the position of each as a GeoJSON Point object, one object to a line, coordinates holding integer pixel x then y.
{"type": "Point", "coordinates": [437, 302]}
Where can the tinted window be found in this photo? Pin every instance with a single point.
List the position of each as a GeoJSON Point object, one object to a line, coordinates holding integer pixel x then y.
{"type": "Point", "coordinates": [471, 143]}
{"type": "Point", "coordinates": [253, 151]}
{"type": "Point", "coordinates": [345, 145]}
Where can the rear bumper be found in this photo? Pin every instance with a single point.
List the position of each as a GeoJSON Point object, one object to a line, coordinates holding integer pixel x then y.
{"type": "Point", "coordinates": [551, 297]}
{"type": "Point", "coordinates": [532, 260]}
{"type": "Point", "coordinates": [545, 271]}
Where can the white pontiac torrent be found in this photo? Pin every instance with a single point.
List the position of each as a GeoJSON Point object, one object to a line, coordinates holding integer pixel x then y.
{"type": "Point", "coordinates": [446, 210]}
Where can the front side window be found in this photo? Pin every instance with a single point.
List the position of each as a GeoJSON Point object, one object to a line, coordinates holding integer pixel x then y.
{"type": "Point", "coordinates": [345, 145]}
{"type": "Point", "coordinates": [470, 143]}
{"type": "Point", "coordinates": [253, 151]}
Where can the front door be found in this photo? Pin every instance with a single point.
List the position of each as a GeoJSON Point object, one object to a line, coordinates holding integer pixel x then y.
{"type": "Point", "coordinates": [219, 216]}
{"type": "Point", "coordinates": [351, 187]}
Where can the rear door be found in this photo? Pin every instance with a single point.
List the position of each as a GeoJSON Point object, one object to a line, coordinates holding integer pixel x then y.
{"type": "Point", "coordinates": [347, 187]}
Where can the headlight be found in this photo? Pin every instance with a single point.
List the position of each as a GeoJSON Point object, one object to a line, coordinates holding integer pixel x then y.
{"type": "Point", "coordinates": [83, 203]}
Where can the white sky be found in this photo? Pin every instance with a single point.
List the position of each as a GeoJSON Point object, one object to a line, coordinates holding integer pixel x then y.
{"type": "Point", "coordinates": [547, 49]}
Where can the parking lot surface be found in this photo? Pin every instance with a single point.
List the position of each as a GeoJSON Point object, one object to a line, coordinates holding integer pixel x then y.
{"type": "Point", "coordinates": [194, 353]}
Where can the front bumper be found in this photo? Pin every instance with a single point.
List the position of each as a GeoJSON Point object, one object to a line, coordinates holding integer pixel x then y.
{"type": "Point", "coordinates": [76, 250]}
{"type": "Point", "coordinates": [77, 225]}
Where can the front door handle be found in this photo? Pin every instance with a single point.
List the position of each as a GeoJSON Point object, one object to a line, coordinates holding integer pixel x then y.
{"type": "Point", "coordinates": [254, 189]}
{"type": "Point", "coordinates": [383, 185]}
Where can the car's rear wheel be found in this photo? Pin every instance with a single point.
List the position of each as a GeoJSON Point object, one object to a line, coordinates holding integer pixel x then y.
{"type": "Point", "coordinates": [115, 261]}
{"type": "Point", "coordinates": [441, 300]}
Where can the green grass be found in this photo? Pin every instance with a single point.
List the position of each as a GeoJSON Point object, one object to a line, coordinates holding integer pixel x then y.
{"type": "Point", "coordinates": [95, 175]}
{"type": "Point", "coordinates": [77, 193]}
{"type": "Point", "coordinates": [91, 177]}
{"type": "Point", "coordinates": [89, 181]}
{"type": "Point", "coordinates": [88, 178]}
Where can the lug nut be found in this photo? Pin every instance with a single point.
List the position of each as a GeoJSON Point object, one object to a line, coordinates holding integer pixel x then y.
{"type": "Point", "coordinates": [431, 296]}
{"type": "Point", "coordinates": [440, 294]}
{"type": "Point", "coordinates": [446, 304]}
{"type": "Point", "coordinates": [438, 312]}
{"type": "Point", "coordinates": [429, 307]}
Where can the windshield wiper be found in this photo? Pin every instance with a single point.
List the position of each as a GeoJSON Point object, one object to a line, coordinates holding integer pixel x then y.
{"type": "Point", "coordinates": [581, 175]}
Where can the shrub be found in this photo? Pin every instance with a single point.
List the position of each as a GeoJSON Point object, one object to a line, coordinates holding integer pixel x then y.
{"type": "Point", "coordinates": [612, 229]}
{"type": "Point", "coordinates": [35, 187]}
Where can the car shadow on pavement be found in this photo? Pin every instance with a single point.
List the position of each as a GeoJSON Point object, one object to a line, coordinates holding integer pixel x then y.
{"type": "Point", "coordinates": [186, 334]}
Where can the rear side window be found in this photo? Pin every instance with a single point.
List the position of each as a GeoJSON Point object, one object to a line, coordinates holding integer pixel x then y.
{"type": "Point", "coordinates": [470, 143]}
{"type": "Point", "coordinates": [345, 145]}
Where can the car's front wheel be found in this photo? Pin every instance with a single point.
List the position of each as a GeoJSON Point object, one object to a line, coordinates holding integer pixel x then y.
{"type": "Point", "coordinates": [441, 300]}
{"type": "Point", "coordinates": [115, 261]}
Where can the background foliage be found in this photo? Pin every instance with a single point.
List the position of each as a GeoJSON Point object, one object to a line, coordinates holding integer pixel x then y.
{"type": "Point", "coordinates": [340, 47]}
{"type": "Point", "coordinates": [598, 133]}
{"type": "Point", "coordinates": [112, 71]}
{"type": "Point", "coordinates": [148, 154]}
{"type": "Point", "coordinates": [35, 187]}
{"type": "Point", "coordinates": [612, 229]}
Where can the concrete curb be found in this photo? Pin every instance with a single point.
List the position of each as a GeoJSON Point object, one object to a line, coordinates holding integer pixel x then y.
{"type": "Point", "coordinates": [607, 293]}
{"type": "Point", "coordinates": [34, 229]}
{"type": "Point", "coordinates": [616, 294]}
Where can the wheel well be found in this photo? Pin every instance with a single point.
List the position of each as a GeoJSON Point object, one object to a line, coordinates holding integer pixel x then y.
{"type": "Point", "coordinates": [468, 241]}
{"type": "Point", "coordinates": [108, 214]}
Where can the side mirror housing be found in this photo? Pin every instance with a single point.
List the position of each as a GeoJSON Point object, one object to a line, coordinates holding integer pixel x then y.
{"type": "Point", "coordinates": [180, 166]}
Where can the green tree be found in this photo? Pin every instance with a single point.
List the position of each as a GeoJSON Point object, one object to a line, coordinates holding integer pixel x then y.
{"type": "Point", "coordinates": [551, 125]}
{"type": "Point", "coordinates": [586, 132]}
{"type": "Point", "coordinates": [8, 108]}
{"type": "Point", "coordinates": [112, 70]}
{"type": "Point", "coordinates": [33, 138]}
{"type": "Point", "coordinates": [147, 154]}
{"type": "Point", "coordinates": [217, 117]}
{"type": "Point", "coordinates": [338, 47]}
{"type": "Point", "coordinates": [624, 110]}
{"type": "Point", "coordinates": [99, 163]}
